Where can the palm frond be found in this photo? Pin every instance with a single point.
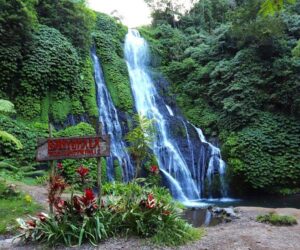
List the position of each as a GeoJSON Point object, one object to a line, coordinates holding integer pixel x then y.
{"type": "Point", "coordinates": [4, 136]}
{"type": "Point", "coordinates": [7, 107]}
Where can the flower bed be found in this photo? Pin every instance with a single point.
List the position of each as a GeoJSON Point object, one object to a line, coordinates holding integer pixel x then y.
{"type": "Point", "coordinates": [126, 209]}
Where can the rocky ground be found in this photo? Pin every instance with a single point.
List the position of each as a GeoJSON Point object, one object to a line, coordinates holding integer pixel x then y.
{"type": "Point", "coordinates": [242, 233]}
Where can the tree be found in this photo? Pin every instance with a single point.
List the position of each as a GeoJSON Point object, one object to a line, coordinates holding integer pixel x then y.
{"type": "Point", "coordinates": [140, 139]}
{"type": "Point", "coordinates": [166, 10]}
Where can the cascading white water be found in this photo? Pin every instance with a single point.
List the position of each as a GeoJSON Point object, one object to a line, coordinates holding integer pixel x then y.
{"type": "Point", "coordinates": [190, 147]}
{"type": "Point", "coordinates": [184, 170]}
{"type": "Point", "coordinates": [109, 118]}
{"type": "Point", "coordinates": [215, 164]}
{"type": "Point", "coordinates": [169, 157]}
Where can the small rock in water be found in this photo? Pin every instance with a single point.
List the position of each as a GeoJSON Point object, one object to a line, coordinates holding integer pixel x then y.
{"type": "Point", "coordinates": [225, 214]}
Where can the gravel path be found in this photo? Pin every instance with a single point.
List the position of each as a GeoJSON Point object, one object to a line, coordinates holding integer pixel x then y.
{"type": "Point", "coordinates": [240, 234]}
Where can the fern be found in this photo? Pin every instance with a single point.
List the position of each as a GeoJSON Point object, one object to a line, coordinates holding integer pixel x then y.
{"type": "Point", "coordinates": [4, 136]}
{"type": "Point", "coordinates": [6, 164]}
{"type": "Point", "coordinates": [6, 107]}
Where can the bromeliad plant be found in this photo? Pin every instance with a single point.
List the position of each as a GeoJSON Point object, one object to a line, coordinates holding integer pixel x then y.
{"type": "Point", "coordinates": [146, 211]}
{"type": "Point", "coordinates": [74, 221]}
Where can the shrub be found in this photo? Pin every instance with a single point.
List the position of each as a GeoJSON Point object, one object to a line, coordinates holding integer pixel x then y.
{"type": "Point", "coordinates": [276, 219]}
{"type": "Point", "coordinates": [129, 209]}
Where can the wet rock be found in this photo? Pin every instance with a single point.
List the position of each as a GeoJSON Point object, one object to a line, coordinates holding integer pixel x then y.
{"type": "Point", "coordinates": [225, 214]}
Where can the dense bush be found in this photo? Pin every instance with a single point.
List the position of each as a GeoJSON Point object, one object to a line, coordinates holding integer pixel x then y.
{"type": "Point", "coordinates": [46, 67]}
{"type": "Point", "coordinates": [52, 67]}
{"type": "Point", "coordinates": [72, 18]}
{"type": "Point", "coordinates": [27, 134]}
{"type": "Point", "coordinates": [276, 219]}
{"type": "Point", "coordinates": [266, 153]}
{"type": "Point", "coordinates": [17, 20]}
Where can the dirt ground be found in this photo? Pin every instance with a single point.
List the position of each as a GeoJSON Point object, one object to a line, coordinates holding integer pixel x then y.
{"type": "Point", "coordinates": [240, 234]}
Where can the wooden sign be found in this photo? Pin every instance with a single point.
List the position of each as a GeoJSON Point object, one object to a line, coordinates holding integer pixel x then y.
{"type": "Point", "coordinates": [72, 148]}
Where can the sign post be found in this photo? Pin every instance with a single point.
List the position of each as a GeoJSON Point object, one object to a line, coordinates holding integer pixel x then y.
{"type": "Point", "coordinates": [51, 149]}
{"type": "Point", "coordinates": [52, 169]}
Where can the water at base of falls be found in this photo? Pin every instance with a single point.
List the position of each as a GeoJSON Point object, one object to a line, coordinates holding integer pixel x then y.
{"type": "Point", "coordinates": [109, 118]}
{"type": "Point", "coordinates": [184, 171]}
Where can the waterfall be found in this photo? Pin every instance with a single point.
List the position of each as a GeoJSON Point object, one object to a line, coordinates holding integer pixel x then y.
{"type": "Point", "coordinates": [184, 170]}
{"type": "Point", "coordinates": [108, 116]}
{"type": "Point", "coordinates": [215, 165]}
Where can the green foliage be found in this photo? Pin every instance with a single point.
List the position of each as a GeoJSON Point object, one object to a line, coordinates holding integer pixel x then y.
{"type": "Point", "coordinates": [135, 214]}
{"type": "Point", "coordinates": [8, 139]}
{"type": "Point", "coordinates": [296, 50]}
{"type": "Point", "coordinates": [205, 14]}
{"type": "Point", "coordinates": [47, 71]}
{"type": "Point", "coordinates": [26, 134]}
{"type": "Point", "coordinates": [265, 153]}
{"type": "Point", "coordinates": [17, 19]}
{"type": "Point", "coordinates": [235, 74]}
{"type": "Point", "coordinates": [108, 38]}
{"type": "Point", "coordinates": [140, 139]}
{"type": "Point", "coordinates": [81, 129]}
{"type": "Point", "coordinates": [7, 192]}
{"type": "Point", "coordinates": [88, 89]}
{"type": "Point", "coordinates": [288, 191]}
{"type": "Point", "coordinates": [72, 18]}
{"type": "Point", "coordinates": [12, 206]}
{"type": "Point", "coordinates": [276, 219]}
{"type": "Point", "coordinates": [6, 107]}
{"type": "Point", "coordinates": [270, 7]}
{"type": "Point", "coordinates": [129, 209]}
{"type": "Point", "coordinates": [42, 180]}
{"type": "Point", "coordinates": [53, 66]}
{"type": "Point", "coordinates": [179, 234]}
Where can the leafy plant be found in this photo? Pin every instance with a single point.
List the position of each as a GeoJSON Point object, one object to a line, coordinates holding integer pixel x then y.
{"type": "Point", "coordinates": [270, 7]}
{"type": "Point", "coordinates": [9, 138]}
{"type": "Point", "coordinates": [140, 139]}
{"type": "Point", "coordinates": [276, 219]}
{"type": "Point", "coordinates": [6, 107]}
{"type": "Point", "coordinates": [127, 209]}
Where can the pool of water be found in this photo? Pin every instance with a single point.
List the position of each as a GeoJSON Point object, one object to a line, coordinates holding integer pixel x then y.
{"type": "Point", "coordinates": [292, 201]}
{"type": "Point", "coordinates": [198, 215]}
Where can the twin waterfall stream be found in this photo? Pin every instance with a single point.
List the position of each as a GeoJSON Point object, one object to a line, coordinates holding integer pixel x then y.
{"type": "Point", "coordinates": [186, 162]}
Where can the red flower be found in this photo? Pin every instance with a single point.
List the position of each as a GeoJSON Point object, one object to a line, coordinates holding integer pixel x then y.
{"type": "Point", "coordinates": [56, 187]}
{"type": "Point", "coordinates": [82, 171]}
{"type": "Point", "coordinates": [154, 169]}
{"type": "Point", "coordinates": [88, 197]}
{"type": "Point", "coordinates": [57, 182]}
{"type": "Point", "coordinates": [150, 203]}
{"type": "Point", "coordinates": [59, 205]}
{"type": "Point", "coordinates": [59, 165]}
